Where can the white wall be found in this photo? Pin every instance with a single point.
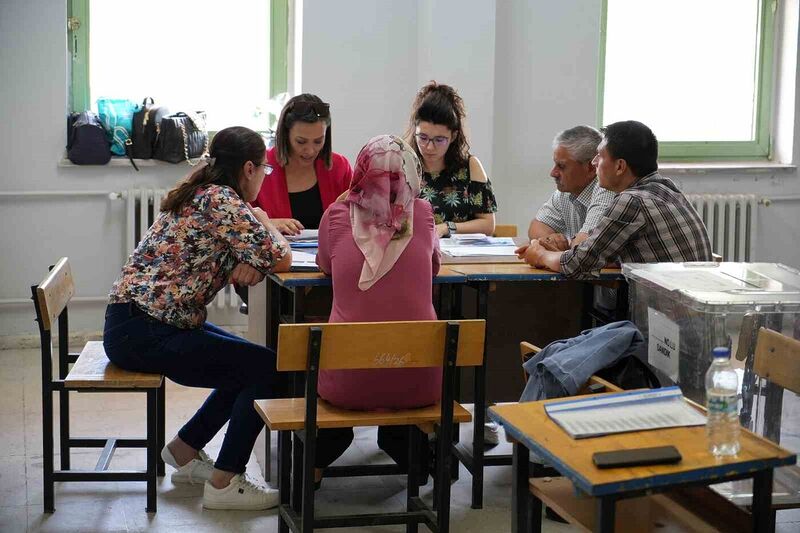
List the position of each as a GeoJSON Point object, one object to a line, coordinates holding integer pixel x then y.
{"type": "Point", "coordinates": [526, 69]}
{"type": "Point", "coordinates": [36, 232]}
{"type": "Point", "coordinates": [546, 66]}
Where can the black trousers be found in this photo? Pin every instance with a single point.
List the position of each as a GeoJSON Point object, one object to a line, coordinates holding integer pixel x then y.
{"type": "Point", "coordinates": [332, 443]}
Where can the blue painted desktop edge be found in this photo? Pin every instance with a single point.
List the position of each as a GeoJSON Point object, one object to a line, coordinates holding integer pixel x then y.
{"type": "Point", "coordinates": [708, 473]}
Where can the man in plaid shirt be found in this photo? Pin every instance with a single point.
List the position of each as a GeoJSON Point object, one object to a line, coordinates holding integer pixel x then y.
{"type": "Point", "coordinates": [579, 204]}
{"type": "Point", "coordinates": [649, 220]}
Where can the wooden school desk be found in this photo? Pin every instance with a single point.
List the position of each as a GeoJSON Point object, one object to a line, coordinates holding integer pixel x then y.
{"type": "Point", "coordinates": [595, 505]}
{"type": "Point", "coordinates": [481, 277]}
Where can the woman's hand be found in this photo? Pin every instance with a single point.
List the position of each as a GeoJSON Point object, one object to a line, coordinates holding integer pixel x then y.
{"type": "Point", "coordinates": [555, 242]}
{"type": "Point", "coordinates": [244, 274]}
{"type": "Point", "coordinates": [342, 196]}
{"type": "Point", "coordinates": [287, 226]}
{"type": "Point", "coordinates": [441, 230]}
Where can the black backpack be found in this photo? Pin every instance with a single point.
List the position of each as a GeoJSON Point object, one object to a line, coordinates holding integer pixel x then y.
{"type": "Point", "coordinates": [87, 143]}
{"type": "Point", "coordinates": [146, 127]}
{"type": "Point", "coordinates": [630, 373]}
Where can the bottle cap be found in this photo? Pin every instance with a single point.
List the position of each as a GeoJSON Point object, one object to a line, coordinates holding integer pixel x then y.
{"type": "Point", "coordinates": [721, 351]}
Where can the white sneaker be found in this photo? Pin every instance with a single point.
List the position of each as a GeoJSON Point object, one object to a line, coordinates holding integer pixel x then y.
{"type": "Point", "coordinates": [241, 495]}
{"type": "Point", "coordinates": [491, 434]}
{"type": "Point", "coordinates": [195, 472]}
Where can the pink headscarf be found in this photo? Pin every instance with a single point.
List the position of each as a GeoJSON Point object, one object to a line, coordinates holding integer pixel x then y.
{"type": "Point", "coordinates": [381, 198]}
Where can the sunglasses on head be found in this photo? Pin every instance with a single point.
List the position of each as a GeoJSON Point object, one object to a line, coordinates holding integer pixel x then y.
{"type": "Point", "coordinates": [321, 109]}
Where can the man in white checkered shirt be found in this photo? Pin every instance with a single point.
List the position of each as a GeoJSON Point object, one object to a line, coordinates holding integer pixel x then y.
{"type": "Point", "coordinates": [573, 211]}
{"type": "Point", "coordinates": [649, 220]}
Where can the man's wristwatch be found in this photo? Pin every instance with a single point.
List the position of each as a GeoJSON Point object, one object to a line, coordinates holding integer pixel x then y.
{"type": "Point", "coordinates": [451, 228]}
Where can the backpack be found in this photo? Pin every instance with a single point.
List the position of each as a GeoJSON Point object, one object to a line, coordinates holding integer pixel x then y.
{"type": "Point", "coordinates": [630, 373]}
{"type": "Point", "coordinates": [87, 143]}
{"type": "Point", "coordinates": [146, 127]}
{"type": "Point", "coordinates": [116, 114]}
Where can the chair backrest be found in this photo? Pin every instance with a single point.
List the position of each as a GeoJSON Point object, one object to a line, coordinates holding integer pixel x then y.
{"type": "Point", "coordinates": [54, 293]}
{"type": "Point", "coordinates": [505, 230]}
{"type": "Point", "coordinates": [359, 345]}
{"type": "Point", "coordinates": [778, 359]}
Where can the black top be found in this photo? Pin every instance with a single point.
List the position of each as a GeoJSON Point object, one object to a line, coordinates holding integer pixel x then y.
{"type": "Point", "coordinates": [307, 207]}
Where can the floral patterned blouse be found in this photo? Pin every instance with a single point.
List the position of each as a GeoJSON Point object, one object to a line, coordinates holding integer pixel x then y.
{"type": "Point", "coordinates": [184, 260]}
{"type": "Point", "coordinates": [455, 197]}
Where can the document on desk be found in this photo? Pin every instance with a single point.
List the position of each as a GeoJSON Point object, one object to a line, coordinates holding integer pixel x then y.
{"type": "Point", "coordinates": [304, 235]}
{"type": "Point", "coordinates": [304, 262]}
{"type": "Point", "coordinates": [623, 412]}
{"type": "Point", "coordinates": [471, 251]}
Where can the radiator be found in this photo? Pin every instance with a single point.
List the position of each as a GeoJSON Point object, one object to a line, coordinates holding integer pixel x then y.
{"type": "Point", "coordinates": [143, 206]}
{"type": "Point", "coordinates": [731, 223]}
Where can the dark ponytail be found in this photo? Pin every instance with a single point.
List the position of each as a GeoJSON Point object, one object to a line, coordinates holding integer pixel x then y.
{"type": "Point", "coordinates": [230, 150]}
{"type": "Point", "coordinates": [440, 104]}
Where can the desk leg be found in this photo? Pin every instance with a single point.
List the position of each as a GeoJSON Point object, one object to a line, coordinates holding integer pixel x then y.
{"type": "Point", "coordinates": [604, 519]}
{"type": "Point", "coordinates": [273, 313]}
{"type": "Point", "coordinates": [763, 517]}
{"type": "Point", "coordinates": [523, 517]}
{"type": "Point", "coordinates": [479, 416]}
{"type": "Point", "coordinates": [621, 311]}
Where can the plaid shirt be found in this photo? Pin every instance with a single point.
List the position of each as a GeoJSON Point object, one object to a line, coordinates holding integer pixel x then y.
{"type": "Point", "coordinates": [570, 214]}
{"type": "Point", "coordinates": [649, 222]}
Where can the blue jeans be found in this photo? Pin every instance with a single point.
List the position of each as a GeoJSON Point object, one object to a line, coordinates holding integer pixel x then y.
{"type": "Point", "coordinates": [238, 371]}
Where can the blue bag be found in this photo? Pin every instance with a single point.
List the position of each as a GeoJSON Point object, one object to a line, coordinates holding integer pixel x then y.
{"type": "Point", "coordinates": [116, 114]}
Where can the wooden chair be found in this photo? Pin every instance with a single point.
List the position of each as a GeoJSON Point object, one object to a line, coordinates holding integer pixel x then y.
{"type": "Point", "coordinates": [776, 360]}
{"type": "Point", "coordinates": [311, 347]}
{"type": "Point", "coordinates": [91, 372]}
{"type": "Point", "coordinates": [505, 230]}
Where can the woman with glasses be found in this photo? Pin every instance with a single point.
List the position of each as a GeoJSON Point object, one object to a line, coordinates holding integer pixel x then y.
{"type": "Point", "coordinates": [453, 180]}
{"type": "Point", "coordinates": [307, 175]}
{"type": "Point", "coordinates": [204, 238]}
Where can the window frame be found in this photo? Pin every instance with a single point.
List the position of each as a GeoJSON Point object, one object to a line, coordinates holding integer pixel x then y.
{"type": "Point", "coordinates": [759, 148]}
{"type": "Point", "coordinates": [78, 48]}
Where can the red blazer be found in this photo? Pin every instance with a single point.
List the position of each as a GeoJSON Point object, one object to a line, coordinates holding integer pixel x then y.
{"type": "Point", "coordinates": [274, 194]}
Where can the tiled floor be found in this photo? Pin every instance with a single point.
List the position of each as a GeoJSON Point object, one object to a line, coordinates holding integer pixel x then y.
{"type": "Point", "coordinates": [120, 506]}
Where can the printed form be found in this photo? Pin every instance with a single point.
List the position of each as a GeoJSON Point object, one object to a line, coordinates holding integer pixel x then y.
{"type": "Point", "coordinates": [623, 412]}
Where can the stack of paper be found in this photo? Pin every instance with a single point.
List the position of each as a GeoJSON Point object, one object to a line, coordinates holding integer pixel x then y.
{"type": "Point", "coordinates": [304, 261]}
{"type": "Point", "coordinates": [304, 235]}
{"type": "Point", "coordinates": [307, 238]}
{"type": "Point", "coordinates": [623, 412]}
{"type": "Point", "coordinates": [475, 244]}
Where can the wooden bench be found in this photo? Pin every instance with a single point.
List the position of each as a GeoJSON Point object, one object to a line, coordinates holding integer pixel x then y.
{"type": "Point", "coordinates": [91, 372]}
{"type": "Point", "coordinates": [311, 347]}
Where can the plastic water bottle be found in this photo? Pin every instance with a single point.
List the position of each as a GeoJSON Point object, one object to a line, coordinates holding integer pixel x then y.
{"type": "Point", "coordinates": [722, 426]}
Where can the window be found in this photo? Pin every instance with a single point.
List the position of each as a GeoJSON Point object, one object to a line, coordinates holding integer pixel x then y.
{"type": "Point", "coordinates": [188, 55]}
{"type": "Point", "coordinates": [697, 72]}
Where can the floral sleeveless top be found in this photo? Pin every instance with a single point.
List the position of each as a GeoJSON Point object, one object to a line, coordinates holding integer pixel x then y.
{"type": "Point", "coordinates": [184, 260]}
{"type": "Point", "coordinates": [455, 197]}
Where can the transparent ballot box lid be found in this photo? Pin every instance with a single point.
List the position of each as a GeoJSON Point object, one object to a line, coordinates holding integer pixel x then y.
{"type": "Point", "coordinates": [721, 287]}
{"type": "Point", "coordinates": [684, 310]}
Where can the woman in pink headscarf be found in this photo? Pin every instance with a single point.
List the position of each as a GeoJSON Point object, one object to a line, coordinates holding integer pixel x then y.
{"type": "Point", "coordinates": [380, 247]}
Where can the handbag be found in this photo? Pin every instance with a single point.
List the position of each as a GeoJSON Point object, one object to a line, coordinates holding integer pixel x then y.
{"type": "Point", "coordinates": [183, 137]}
{"type": "Point", "coordinates": [146, 126]}
{"type": "Point", "coordinates": [116, 114]}
{"type": "Point", "coordinates": [86, 140]}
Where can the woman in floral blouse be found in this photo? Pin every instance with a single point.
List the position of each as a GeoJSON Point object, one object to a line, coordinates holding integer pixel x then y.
{"type": "Point", "coordinates": [204, 238]}
{"type": "Point", "coordinates": [453, 181]}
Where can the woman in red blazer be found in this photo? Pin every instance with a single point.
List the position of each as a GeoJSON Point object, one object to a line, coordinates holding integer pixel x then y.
{"type": "Point", "coordinates": [307, 175]}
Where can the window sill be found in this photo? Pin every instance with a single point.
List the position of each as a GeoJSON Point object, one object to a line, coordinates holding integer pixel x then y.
{"type": "Point", "coordinates": [713, 167]}
{"type": "Point", "coordinates": [121, 161]}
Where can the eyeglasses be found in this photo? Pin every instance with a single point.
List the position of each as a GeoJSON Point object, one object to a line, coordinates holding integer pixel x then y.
{"type": "Point", "coordinates": [321, 109]}
{"type": "Point", "coordinates": [267, 168]}
{"type": "Point", "coordinates": [439, 141]}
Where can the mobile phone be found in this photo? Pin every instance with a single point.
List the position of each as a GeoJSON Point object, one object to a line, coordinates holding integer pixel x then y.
{"type": "Point", "coordinates": [637, 457]}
